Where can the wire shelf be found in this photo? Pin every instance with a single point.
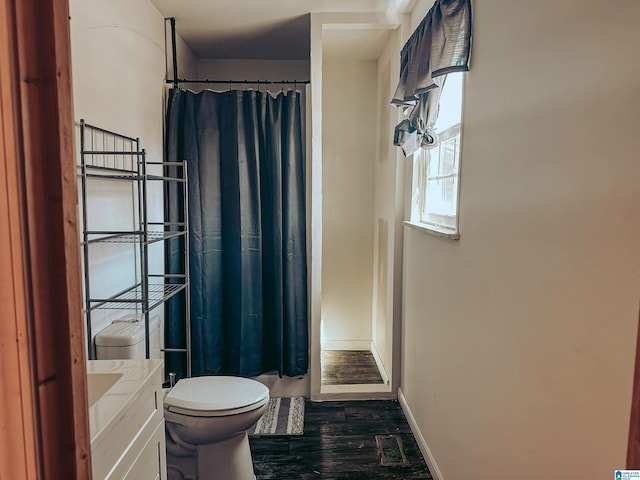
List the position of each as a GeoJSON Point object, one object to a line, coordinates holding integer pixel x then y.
{"type": "Point", "coordinates": [106, 155]}
{"type": "Point", "coordinates": [132, 299]}
{"type": "Point", "coordinates": [133, 236]}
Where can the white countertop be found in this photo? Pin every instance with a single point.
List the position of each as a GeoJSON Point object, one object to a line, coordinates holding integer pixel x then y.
{"type": "Point", "coordinates": [135, 374]}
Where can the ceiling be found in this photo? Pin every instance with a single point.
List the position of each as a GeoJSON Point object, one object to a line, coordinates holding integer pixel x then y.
{"type": "Point", "coordinates": [261, 29]}
{"type": "Point", "coordinates": [363, 44]}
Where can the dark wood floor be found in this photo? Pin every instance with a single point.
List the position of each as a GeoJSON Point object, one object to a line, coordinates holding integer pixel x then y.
{"type": "Point", "coordinates": [339, 442]}
{"type": "Point", "coordinates": [348, 367]}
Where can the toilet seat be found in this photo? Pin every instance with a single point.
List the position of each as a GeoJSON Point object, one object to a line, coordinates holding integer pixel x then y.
{"type": "Point", "coordinates": [215, 396]}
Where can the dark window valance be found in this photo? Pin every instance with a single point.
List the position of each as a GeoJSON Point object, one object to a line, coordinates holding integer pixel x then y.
{"type": "Point", "coordinates": [440, 44]}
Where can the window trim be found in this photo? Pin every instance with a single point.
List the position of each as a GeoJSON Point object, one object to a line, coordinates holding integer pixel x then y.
{"type": "Point", "coordinates": [434, 230]}
{"type": "Point", "coordinates": [438, 230]}
{"type": "Point", "coordinates": [446, 135]}
{"type": "Point", "coordinates": [415, 220]}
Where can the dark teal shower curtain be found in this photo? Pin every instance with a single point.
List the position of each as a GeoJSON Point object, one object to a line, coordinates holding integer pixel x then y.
{"type": "Point", "coordinates": [247, 252]}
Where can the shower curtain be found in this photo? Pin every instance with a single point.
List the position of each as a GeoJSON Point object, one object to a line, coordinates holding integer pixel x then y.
{"type": "Point", "coordinates": [247, 254]}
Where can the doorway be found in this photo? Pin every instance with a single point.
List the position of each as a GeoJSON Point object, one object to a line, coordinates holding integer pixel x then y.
{"type": "Point", "coordinates": [356, 314]}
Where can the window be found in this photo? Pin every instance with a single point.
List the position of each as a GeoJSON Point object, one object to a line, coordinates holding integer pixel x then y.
{"type": "Point", "coordinates": [435, 188]}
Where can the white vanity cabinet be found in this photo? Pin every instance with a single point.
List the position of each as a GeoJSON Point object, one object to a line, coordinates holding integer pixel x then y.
{"type": "Point", "coordinates": [126, 419]}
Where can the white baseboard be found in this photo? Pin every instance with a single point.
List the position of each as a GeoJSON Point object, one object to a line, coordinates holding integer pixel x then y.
{"type": "Point", "coordinates": [381, 369]}
{"type": "Point", "coordinates": [422, 443]}
{"type": "Point", "coordinates": [346, 345]}
{"type": "Point", "coordinates": [370, 391]}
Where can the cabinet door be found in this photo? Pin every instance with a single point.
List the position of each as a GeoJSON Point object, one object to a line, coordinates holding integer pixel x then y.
{"type": "Point", "coordinates": [151, 463]}
{"type": "Point", "coordinates": [130, 429]}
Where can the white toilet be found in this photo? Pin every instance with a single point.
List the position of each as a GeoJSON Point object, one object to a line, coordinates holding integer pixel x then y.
{"type": "Point", "coordinates": [206, 418]}
{"type": "Point", "coordinates": [124, 338]}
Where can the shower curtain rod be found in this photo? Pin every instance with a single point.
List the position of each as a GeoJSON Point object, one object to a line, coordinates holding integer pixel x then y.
{"type": "Point", "coordinates": [247, 82]}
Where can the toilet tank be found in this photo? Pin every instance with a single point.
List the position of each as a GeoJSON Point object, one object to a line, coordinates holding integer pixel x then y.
{"type": "Point", "coordinates": [125, 340]}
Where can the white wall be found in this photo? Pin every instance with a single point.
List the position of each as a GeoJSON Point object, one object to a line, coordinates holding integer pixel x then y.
{"type": "Point", "coordinates": [387, 215]}
{"type": "Point", "coordinates": [187, 61]}
{"type": "Point", "coordinates": [118, 65]}
{"type": "Point", "coordinates": [271, 70]}
{"type": "Point", "coordinates": [519, 339]}
{"type": "Point", "coordinates": [349, 156]}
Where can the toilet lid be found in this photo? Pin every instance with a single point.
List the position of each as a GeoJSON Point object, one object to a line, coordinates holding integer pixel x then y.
{"type": "Point", "coordinates": [215, 393]}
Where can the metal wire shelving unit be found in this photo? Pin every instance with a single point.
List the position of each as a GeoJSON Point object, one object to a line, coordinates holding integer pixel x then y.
{"type": "Point", "coordinates": [110, 156]}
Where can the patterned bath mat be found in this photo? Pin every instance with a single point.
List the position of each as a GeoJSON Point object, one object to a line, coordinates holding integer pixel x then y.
{"type": "Point", "coordinates": [283, 416]}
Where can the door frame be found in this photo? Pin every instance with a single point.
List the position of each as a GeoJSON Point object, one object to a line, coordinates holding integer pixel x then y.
{"type": "Point", "coordinates": [350, 21]}
{"type": "Point", "coordinates": [633, 445]}
{"type": "Point", "coordinates": [45, 409]}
